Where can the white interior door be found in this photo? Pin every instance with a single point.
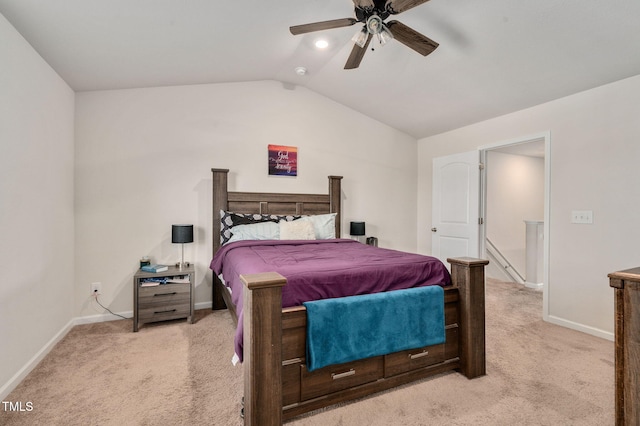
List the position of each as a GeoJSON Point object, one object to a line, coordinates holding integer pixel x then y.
{"type": "Point", "coordinates": [455, 229]}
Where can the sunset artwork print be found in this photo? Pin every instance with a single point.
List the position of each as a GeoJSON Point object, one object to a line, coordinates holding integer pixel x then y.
{"type": "Point", "coordinates": [283, 160]}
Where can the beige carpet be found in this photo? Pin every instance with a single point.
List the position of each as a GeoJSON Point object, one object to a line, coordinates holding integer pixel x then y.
{"type": "Point", "coordinates": [176, 373]}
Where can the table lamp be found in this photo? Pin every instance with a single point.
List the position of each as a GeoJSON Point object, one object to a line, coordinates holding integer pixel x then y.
{"type": "Point", "coordinates": [182, 234]}
{"type": "Point", "coordinates": [357, 230]}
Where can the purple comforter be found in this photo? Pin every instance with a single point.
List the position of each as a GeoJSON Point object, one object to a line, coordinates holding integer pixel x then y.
{"type": "Point", "coordinates": [322, 269]}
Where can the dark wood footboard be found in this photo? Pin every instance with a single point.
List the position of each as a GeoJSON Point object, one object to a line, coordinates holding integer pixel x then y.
{"type": "Point", "coordinates": [278, 385]}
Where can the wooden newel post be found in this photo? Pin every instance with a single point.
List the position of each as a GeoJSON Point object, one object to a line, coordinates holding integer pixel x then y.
{"type": "Point", "coordinates": [468, 275]}
{"type": "Point", "coordinates": [626, 286]}
{"type": "Point", "coordinates": [263, 348]}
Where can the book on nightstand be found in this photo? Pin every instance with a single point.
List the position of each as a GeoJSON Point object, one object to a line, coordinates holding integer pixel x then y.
{"type": "Point", "coordinates": [155, 268]}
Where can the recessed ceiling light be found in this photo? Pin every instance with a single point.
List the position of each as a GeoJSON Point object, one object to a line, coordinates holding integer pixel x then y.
{"type": "Point", "coordinates": [300, 70]}
{"type": "Point", "coordinates": [322, 44]}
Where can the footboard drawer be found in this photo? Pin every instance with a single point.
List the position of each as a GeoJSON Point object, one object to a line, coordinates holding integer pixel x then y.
{"type": "Point", "coordinates": [338, 377]}
{"type": "Point", "coordinates": [290, 384]}
{"type": "Point", "coordinates": [400, 362]}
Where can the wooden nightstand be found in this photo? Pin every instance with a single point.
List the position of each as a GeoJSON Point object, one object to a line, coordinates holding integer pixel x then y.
{"type": "Point", "coordinates": [164, 301]}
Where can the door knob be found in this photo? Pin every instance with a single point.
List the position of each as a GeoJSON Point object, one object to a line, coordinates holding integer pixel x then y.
{"type": "Point", "coordinates": [434, 229]}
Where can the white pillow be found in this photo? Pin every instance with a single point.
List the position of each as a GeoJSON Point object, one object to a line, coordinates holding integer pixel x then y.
{"type": "Point", "coordinates": [256, 231]}
{"type": "Point", "coordinates": [297, 230]}
{"type": "Point", "coordinates": [324, 225]}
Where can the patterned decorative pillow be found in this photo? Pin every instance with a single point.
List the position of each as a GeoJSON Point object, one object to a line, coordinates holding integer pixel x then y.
{"type": "Point", "coordinates": [230, 219]}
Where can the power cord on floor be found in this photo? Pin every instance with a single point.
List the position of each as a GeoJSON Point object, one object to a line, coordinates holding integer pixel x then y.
{"type": "Point", "coordinates": [95, 296]}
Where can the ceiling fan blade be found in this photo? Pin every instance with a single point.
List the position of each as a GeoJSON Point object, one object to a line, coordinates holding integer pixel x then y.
{"type": "Point", "coordinates": [324, 25]}
{"type": "Point", "coordinates": [357, 53]}
{"type": "Point", "coordinates": [398, 6]}
{"type": "Point", "coordinates": [411, 38]}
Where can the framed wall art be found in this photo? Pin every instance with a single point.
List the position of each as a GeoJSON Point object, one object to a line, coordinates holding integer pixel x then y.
{"type": "Point", "coordinates": [283, 160]}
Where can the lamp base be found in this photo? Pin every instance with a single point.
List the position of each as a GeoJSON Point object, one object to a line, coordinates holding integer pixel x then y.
{"type": "Point", "coordinates": [182, 265]}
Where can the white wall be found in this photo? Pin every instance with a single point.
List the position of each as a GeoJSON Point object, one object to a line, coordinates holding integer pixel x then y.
{"type": "Point", "coordinates": [36, 204]}
{"type": "Point", "coordinates": [515, 193]}
{"type": "Point", "coordinates": [594, 156]}
{"type": "Point", "coordinates": [144, 159]}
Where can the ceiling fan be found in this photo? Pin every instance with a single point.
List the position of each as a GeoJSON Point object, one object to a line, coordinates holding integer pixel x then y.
{"type": "Point", "coordinates": [372, 14]}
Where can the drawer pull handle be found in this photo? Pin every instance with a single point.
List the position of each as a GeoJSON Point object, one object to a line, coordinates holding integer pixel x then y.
{"type": "Point", "coordinates": [292, 361]}
{"type": "Point", "coordinates": [164, 312]}
{"type": "Point", "coordinates": [420, 355]}
{"type": "Point", "coordinates": [336, 376]}
{"type": "Point", "coordinates": [165, 294]}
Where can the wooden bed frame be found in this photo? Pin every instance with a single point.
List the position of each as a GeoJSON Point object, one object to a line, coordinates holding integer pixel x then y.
{"type": "Point", "coordinates": [277, 385]}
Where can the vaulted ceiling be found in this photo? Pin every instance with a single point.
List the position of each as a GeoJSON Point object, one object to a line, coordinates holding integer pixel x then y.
{"type": "Point", "coordinates": [494, 57]}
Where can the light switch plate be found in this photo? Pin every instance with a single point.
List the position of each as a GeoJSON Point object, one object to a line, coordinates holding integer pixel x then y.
{"type": "Point", "coordinates": [582, 216]}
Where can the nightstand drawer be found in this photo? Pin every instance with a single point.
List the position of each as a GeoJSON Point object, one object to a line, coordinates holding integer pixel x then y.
{"type": "Point", "coordinates": [164, 312]}
{"type": "Point", "coordinates": [163, 295]}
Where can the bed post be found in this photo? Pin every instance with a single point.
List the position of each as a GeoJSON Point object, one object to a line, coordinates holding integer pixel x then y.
{"type": "Point", "coordinates": [626, 285]}
{"type": "Point", "coordinates": [468, 275]}
{"type": "Point", "coordinates": [263, 348]}
{"type": "Point", "coordinates": [335, 199]}
{"type": "Point", "coordinates": [220, 202]}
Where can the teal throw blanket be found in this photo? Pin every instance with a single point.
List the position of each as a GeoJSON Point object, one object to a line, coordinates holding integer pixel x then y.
{"type": "Point", "coordinates": [356, 327]}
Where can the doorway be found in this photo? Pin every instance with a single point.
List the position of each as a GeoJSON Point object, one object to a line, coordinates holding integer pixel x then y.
{"type": "Point", "coordinates": [515, 198]}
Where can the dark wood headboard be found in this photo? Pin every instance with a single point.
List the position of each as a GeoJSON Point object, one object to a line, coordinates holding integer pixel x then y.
{"type": "Point", "coordinates": [271, 203]}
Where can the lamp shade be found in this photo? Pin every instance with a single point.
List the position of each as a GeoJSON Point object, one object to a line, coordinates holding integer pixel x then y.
{"type": "Point", "coordinates": [181, 233]}
{"type": "Point", "coordinates": [357, 228]}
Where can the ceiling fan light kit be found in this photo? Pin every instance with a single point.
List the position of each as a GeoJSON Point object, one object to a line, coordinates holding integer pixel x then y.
{"type": "Point", "coordinates": [374, 24]}
{"type": "Point", "coordinates": [384, 36]}
{"type": "Point", "coordinates": [360, 38]}
{"type": "Point", "coordinates": [372, 14]}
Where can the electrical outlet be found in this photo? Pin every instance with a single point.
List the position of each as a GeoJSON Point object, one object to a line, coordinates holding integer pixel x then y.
{"type": "Point", "coordinates": [96, 289]}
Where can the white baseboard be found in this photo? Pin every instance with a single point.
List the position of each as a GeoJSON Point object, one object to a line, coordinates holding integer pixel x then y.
{"type": "Point", "coordinates": [534, 286]}
{"type": "Point", "coordinates": [202, 305]}
{"type": "Point", "coordinates": [6, 389]}
{"type": "Point", "coordinates": [580, 327]}
{"type": "Point", "coordinates": [90, 319]}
